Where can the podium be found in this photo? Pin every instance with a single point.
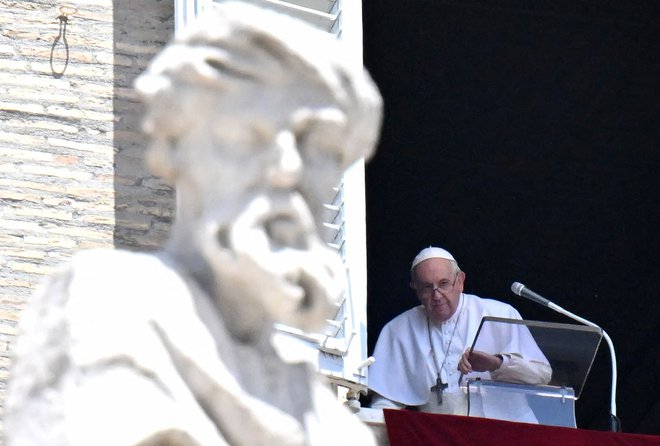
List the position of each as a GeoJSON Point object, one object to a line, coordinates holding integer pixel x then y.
{"type": "Point", "coordinates": [569, 349]}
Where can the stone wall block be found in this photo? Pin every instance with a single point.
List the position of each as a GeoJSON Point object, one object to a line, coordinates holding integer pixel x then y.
{"type": "Point", "coordinates": [68, 114]}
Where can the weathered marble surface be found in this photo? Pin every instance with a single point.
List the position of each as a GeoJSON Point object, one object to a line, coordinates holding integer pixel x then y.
{"type": "Point", "coordinates": [252, 116]}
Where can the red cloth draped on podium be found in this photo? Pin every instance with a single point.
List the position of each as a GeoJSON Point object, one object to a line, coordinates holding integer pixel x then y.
{"type": "Point", "coordinates": [409, 428]}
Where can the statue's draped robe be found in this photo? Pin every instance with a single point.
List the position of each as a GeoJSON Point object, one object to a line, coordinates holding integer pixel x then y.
{"type": "Point", "coordinates": [119, 348]}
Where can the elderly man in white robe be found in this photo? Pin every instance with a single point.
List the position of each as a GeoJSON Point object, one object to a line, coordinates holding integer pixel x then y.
{"type": "Point", "coordinates": [422, 354]}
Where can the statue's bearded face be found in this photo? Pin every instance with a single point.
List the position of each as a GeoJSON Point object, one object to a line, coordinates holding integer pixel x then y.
{"type": "Point", "coordinates": [253, 173]}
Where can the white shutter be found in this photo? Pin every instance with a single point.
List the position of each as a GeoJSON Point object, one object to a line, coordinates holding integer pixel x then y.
{"type": "Point", "coordinates": [186, 11]}
{"type": "Point", "coordinates": [341, 349]}
{"type": "Point", "coordinates": [321, 13]}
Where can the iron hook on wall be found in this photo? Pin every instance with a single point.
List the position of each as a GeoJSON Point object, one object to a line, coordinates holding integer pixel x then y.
{"type": "Point", "coordinates": [65, 11]}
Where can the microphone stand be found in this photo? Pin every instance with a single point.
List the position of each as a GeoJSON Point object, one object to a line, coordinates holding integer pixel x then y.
{"type": "Point", "coordinates": [615, 424]}
{"type": "Point", "coordinates": [520, 289]}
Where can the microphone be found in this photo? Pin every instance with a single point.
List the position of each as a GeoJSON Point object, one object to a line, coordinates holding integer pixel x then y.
{"type": "Point", "coordinates": [521, 290]}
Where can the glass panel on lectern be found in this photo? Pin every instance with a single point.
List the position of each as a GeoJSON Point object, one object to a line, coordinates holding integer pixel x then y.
{"type": "Point", "coordinates": [569, 349]}
{"type": "Point", "coordinates": [531, 394]}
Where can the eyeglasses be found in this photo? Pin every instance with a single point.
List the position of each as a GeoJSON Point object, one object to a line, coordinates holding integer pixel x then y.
{"type": "Point", "coordinates": [429, 289]}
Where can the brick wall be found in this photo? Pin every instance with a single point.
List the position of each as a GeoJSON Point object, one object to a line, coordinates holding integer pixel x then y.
{"type": "Point", "coordinates": [71, 172]}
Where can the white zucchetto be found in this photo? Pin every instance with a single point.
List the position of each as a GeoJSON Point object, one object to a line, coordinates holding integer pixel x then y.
{"type": "Point", "coordinates": [431, 253]}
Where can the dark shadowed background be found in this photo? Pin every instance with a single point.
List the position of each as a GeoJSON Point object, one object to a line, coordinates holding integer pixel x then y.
{"type": "Point", "coordinates": [523, 136]}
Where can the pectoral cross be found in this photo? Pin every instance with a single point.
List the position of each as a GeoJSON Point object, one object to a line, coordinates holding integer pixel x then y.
{"type": "Point", "coordinates": [439, 388]}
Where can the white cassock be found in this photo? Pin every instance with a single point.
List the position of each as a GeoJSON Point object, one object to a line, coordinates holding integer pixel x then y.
{"type": "Point", "coordinates": [405, 370]}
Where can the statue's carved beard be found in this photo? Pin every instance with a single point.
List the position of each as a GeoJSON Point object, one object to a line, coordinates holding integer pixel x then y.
{"type": "Point", "coordinates": [270, 263]}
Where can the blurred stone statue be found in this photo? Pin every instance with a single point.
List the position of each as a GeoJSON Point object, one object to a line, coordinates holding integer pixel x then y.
{"type": "Point", "coordinates": [252, 116]}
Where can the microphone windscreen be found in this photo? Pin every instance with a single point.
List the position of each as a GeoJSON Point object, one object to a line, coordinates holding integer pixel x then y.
{"type": "Point", "coordinates": [517, 288]}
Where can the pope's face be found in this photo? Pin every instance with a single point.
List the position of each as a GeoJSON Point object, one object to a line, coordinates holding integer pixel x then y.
{"type": "Point", "coordinates": [256, 171]}
{"type": "Point", "coordinates": [438, 288]}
